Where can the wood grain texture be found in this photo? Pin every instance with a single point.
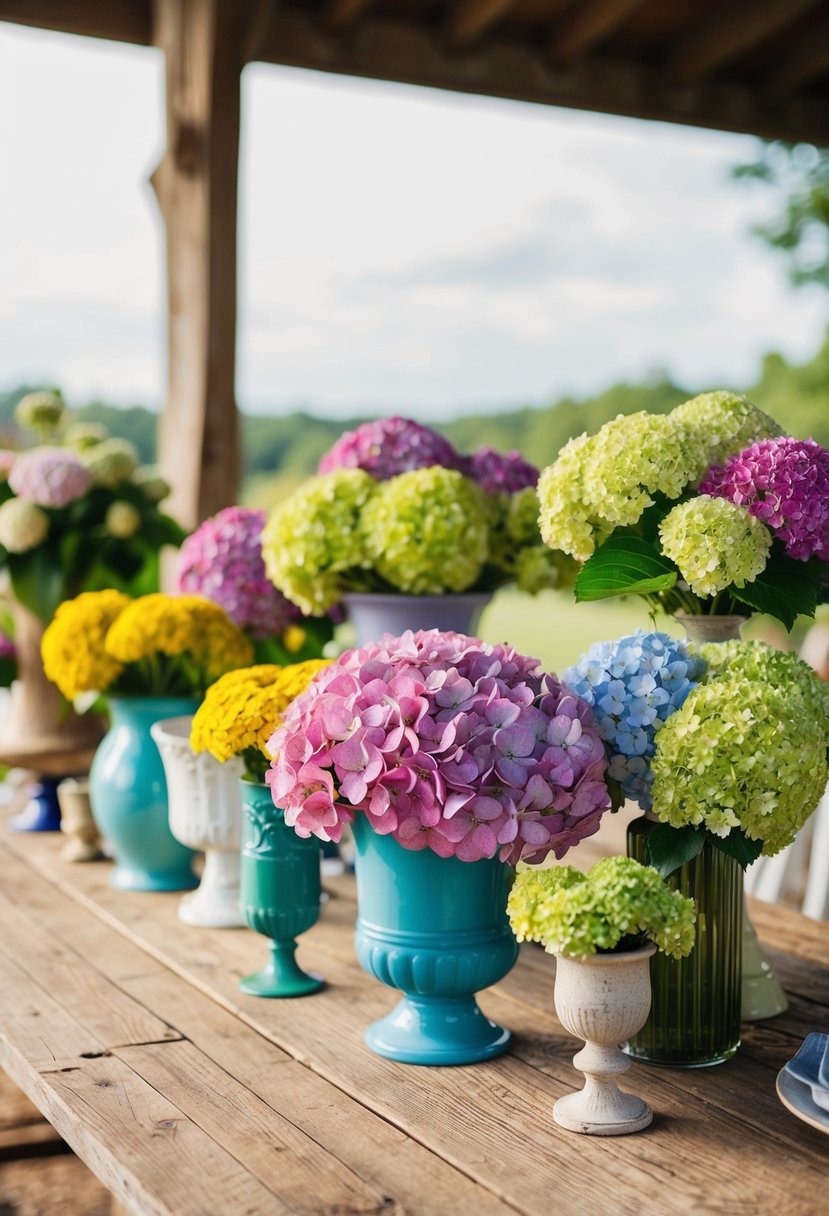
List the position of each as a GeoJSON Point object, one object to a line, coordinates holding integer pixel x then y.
{"type": "Point", "coordinates": [457, 1114]}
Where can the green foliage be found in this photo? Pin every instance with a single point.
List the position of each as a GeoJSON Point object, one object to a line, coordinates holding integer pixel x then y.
{"type": "Point", "coordinates": [799, 176]}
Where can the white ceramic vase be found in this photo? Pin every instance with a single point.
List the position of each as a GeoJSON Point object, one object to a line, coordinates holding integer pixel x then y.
{"type": "Point", "coordinates": [603, 999]}
{"type": "Point", "coordinates": [205, 810]}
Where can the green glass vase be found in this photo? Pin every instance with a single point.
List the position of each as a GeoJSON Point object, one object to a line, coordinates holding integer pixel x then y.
{"type": "Point", "coordinates": [695, 1008]}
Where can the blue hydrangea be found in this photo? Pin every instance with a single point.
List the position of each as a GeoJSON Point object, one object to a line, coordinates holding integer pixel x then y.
{"type": "Point", "coordinates": [634, 684]}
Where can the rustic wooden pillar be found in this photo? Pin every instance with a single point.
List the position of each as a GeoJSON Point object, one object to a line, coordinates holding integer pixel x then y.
{"type": "Point", "coordinates": [206, 44]}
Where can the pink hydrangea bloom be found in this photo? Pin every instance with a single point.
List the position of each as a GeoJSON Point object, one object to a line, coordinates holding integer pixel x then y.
{"type": "Point", "coordinates": [389, 446]}
{"type": "Point", "coordinates": [445, 743]}
{"type": "Point", "coordinates": [785, 483]}
{"type": "Point", "coordinates": [50, 477]}
{"type": "Point", "coordinates": [7, 650]}
{"type": "Point", "coordinates": [500, 472]}
{"type": "Point", "coordinates": [7, 459]}
{"type": "Point", "coordinates": [222, 560]}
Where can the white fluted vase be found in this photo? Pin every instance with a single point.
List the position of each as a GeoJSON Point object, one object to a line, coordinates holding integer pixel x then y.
{"type": "Point", "coordinates": [603, 999]}
{"type": "Point", "coordinates": [205, 810]}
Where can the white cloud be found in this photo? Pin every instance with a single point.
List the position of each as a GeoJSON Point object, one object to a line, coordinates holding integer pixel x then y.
{"type": "Point", "coordinates": [400, 248]}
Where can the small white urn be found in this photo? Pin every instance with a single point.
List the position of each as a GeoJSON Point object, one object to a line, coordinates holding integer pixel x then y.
{"type": "Point", "coordinates": [603, 999]}
{"type": "Point", "coordinates": [205, 810]}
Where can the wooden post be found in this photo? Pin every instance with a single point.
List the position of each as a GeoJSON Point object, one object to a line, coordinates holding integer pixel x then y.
{"type": "Point", "coordinates": [206, 44]}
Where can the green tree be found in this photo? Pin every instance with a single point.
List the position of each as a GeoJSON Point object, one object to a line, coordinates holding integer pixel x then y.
{"type": "Point", "coordinates": [798, 174]}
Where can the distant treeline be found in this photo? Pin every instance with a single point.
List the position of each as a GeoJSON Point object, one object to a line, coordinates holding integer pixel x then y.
{"type": "Point", "coordinates": [281, 449]}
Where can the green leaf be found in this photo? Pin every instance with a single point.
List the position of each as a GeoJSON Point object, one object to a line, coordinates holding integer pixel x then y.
{"type": "Point", "coordinates": [669, 848]}
{"type": "Point", "coordinates": [37, 581]}
{"type": "Point", "coordinates": [785, 590]}
{"type": "Point", "coordinates": [737, 845]}
{"type": "Point", "coordinates": [624, 565]}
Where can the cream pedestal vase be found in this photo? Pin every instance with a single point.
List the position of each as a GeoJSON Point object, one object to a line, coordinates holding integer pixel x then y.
{"type": "Point", "coordinates": [205, 811]}
{"type": "Point", "coordinates": [603, 999]}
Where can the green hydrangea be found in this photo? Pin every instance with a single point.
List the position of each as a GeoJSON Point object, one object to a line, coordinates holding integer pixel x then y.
{"type": "Point", "coordinates": [111, 462]}
{"type": "Point", "coordinates": [41, 412]}
{"type": "Point", "coordinates": [427, 531]}
{"type": "Point", "coordinates": [603, 481]}
{"type": "Point", "coordinates": [766, 665]}
{"type": "Point", "coordinates": [313, 537]}
{"type": "Point", "coordinates": [152, 482]}
{"type": "Point", "coordinates": [741, 753]}
{"type": "Point", "coordinates": [83, 435]}
{"type": "Point", "coordinates": [714, 543]}
{"type": "Point", "coordinates": [619, 902]}
{"type": "Point", "coordinates": [717, 425]}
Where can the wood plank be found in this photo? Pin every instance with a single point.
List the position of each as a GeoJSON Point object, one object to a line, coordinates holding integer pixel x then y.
{"type": "Point", "coordinates": [511, 1094]}
{"type": "Point", "coordinates": [385, 1157]}
{"type": "Point", "coordinates": [340, 16]}
{"type": "Point", "coordinates": [269, 1147]}
{"type": "Point", "coordinates": [469, 20]}
{"type": "Point", "coordinates": [587, 24]}
{"type": "Point", "coordinates": [126, 21]}
{"type": "Point", "coordinates": [729, 32]}
{"type": "Point", "coordinates": [802, 60]}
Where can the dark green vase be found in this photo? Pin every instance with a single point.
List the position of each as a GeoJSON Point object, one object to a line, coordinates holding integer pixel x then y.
{"type": "Point", "coordinates": [280, 893]}
{"type": "Point", "coordinates": [695, 1006]}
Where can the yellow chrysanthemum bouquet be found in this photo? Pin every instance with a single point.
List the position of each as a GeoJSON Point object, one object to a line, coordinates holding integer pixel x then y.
{"type": "Point", "coordinates": [156, 645]}
{"type": "Point", "coordinates": [242, 710]}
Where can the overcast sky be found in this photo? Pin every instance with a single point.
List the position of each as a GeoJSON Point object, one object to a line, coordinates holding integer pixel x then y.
{"type": "Point", "coordinates": [400, 248]}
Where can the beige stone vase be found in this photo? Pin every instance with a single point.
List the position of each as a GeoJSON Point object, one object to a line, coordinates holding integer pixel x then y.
{"type": "Point", "coordinates": [603, 999]}
{"type": "Point", "coordinates": [42, 732]}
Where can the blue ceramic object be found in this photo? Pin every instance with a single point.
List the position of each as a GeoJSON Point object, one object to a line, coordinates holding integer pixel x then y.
{"type": "Point", "coordinates": [436, 929]}
{"type": "Point", "coordinates": [128, 793]}
{"type": "Point", "coordinates": [42, 812]}
{"type": "Point", "coordinates": [280, 893]}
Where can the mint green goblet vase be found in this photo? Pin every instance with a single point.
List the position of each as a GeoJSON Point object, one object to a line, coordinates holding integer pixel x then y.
{"type": "Point", "coordinates": [280, 893]}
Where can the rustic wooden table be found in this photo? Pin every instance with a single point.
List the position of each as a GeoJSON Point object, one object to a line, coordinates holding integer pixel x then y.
{"type": "Point", "coordinates": [184, 1096]}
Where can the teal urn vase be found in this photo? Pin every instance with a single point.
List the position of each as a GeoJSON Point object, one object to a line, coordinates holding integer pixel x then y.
{"type": "Point", "coordinates": [128, 795]}
{"type": "Point", "coordinates": [280, 893]}
{"type": "Point", "coordinates": [436, 929]}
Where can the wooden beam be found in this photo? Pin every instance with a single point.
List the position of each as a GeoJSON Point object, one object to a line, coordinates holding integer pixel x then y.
{"type": "Point", "coordinates": [389, 50]}
{"type": "Point", "coordinates": [341, 15]}
{"type": "Point", "coordinates": [587, 24]}
{"type": "Point", "coordinates": [803, 60]}
{"type": "Point", "coordinates": [469, 20]}
{"type": "Point", "coordinates": [205, 44]}
{"type": "Point", "coordinates": [124, 21]}
{"type": "Point", "coordinates": [730, 31]}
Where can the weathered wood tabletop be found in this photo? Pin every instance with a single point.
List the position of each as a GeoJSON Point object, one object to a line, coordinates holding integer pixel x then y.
{"type": "Point", "coordinates": [185, 1096]}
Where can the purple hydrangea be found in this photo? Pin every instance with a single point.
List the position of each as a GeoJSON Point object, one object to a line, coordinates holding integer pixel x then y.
{"type": "Point", "coordinates": [7, 650]}
{"type": "Point", "coordinates": [390, 446]}
{"type": "Point", "coordinates": [785, 483]}
{"type": "Point", "coordinates": [222, 560]}
{"type": "Point", "coordinates": [445, 743]}
{"type": "Point", "coordinates": [49, 477]}
{"type": "Point", "coordinates": [634, 684]}
{"type": "Point", "coordinates": [499, 472]}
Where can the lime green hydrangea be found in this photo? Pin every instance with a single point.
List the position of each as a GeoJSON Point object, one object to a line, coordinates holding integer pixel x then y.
{"type": "Point", "coordinates": [741, 753]}
{"type": "Point", "coordinates": [150, 479]}
{"type": "Point", "coordinates": [427, 531]}
{"type": "Point", "coordinates": [606, 480]}
{"type": "Point", "coordinates": [618, 903]}
{"type": "Point", "coordinates": [122, 519]}
{"type": "Point", "coordinates": [717, 425]}
{"type": "Point", "coordinates": [42, 412]}
{"type": "Point", "coordinates": [715, 543]}
{"type": "Point", "coordinates": [83, 435]}
{"type": "Point", "coordinates": [312, 538]}
{"type": "Point", "coordinates": [766, 665]}
{"type": "Point", "coordinates": [111, 462]}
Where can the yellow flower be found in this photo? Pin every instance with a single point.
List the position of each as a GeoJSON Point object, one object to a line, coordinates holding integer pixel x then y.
{"type": "Point", "coordinates": [244, 708]}
{"type": "Point", "coordinates": [177, 625]}
{"type": "Point", "coordinates": [73, 650]}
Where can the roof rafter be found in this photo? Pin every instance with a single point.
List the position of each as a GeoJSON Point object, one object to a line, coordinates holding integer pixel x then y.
{"type": "Point", "coordinates": [341, 15]}
{"type": "Point", "coordinates": [585, 25]}
{"type": "Point", "coordinates": [730, 32]}
{"type": "Point", "coordinates": [803, 60]}
{"type": "Point", "coordinates": [469, 20]}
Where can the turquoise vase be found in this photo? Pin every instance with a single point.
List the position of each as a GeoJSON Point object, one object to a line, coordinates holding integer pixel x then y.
{"type": "Point", "coordinates": [280, 885]}
{"type": "Point", "coordinates": [436, 929]}
{"type": "Point", "coordinates": [128, 793]}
